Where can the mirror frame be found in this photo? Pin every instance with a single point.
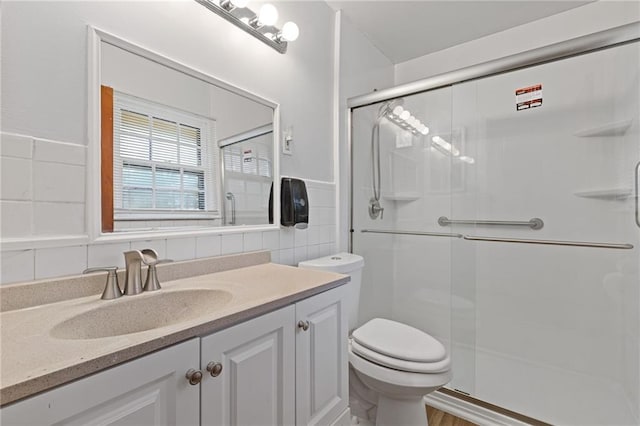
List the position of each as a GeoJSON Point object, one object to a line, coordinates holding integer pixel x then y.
{"type": "Point", "coordinates": [94, 176]}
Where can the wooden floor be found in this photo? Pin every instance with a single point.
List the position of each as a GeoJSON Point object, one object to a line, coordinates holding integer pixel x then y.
{"type": "Point", "coordinates": [440, 418]}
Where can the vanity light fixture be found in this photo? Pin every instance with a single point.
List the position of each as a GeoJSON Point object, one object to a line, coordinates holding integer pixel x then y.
{"type": "Point", "coordinates": [260, 25]}
{"type": "Point", "coordinates": [403, 118]}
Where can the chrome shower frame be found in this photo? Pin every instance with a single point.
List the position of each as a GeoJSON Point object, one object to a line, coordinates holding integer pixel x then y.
{"type": "Point", "coordinates": [574, 47]}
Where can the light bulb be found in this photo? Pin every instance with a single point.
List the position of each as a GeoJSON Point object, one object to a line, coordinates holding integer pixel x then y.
{"type": "Point", "coordinates": [398, 110]}
{"type": "Point", "coordinates": [425, 131]}
{"type": "Point", "coordinates": [405, 114]}
{"type": "Point", "coordinates": [268, 14]}
{"type": "Point", "coordinates": [467, 159]}
{"type": "Point", "coordinates": [240, 3]}
{"type": "Point", "coordinates": [290, 31]}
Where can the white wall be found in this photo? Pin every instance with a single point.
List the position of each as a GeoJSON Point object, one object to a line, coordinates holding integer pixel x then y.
{"type": "Point", "coordinates": [132, 74]}
{"type": "Point", "coordinates": [363, 68]}
{"type": "Point", "coordinates": [593, 17]}
{"type": "Point", "coordinates": [43, 111]}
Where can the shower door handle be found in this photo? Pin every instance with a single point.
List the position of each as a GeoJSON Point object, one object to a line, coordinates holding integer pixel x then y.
{"type": "Point", "coordinates": [637, 190]}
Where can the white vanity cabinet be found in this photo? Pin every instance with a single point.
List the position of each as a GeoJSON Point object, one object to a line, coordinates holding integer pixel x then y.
{"type": "Point", "coordinates": [322, 366]}
{"type": "Point", "coordinates": [285, 367]}
{"type": "Point", "coordinates": [256, 385]}
{"type": "Point", "coordinates": [151, 390]}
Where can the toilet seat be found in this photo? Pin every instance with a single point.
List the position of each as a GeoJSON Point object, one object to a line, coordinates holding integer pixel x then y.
{"type": "Point", "coordinates": [398, 341]}
{"type": "Point", "coordinates": [400, 364]}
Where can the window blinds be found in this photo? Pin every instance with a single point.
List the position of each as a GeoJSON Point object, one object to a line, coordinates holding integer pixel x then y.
{"type": "Point", "coordinates": [165, 161]}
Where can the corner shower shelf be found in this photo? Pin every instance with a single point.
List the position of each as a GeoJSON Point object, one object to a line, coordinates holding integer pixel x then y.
{"type": "Point", "coordinates": [402, 196]}
{"type": "Point", "coordinates": [614, 194]}
{"type": "Point", "coordinates": [612, 129]}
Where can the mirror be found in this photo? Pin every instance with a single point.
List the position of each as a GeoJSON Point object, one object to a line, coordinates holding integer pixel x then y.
{"type": "Point", "coordinates": [179, 151]}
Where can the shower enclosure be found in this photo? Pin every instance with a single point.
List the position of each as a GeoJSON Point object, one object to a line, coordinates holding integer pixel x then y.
{"type": "Point", "coordinates": [500, 215]}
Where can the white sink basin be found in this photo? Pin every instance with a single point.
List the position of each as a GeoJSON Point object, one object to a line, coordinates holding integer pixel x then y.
{"type": "Point", "coordinates": [147, 311]}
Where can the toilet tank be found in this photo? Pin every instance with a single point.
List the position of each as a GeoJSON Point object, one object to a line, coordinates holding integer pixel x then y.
{"type": "Point", "coordinates": [343, 263]}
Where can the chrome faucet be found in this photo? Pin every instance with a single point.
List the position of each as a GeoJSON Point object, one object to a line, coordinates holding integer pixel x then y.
{"type": "Point", "coordinates": [134, 260]}
{"type": "Point", "coordinates": [133, 276]}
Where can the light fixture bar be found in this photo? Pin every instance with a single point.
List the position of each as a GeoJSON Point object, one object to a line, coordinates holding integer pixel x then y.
{"type": "Point", "coordinates": [280, 46]}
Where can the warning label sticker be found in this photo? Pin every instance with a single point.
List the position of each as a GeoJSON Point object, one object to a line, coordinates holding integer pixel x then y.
{"type": "Point", "coordinates": [529, 97]}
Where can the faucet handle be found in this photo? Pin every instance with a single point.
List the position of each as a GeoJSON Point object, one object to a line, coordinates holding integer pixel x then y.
{"type": "Point", "coordinates": [112, 288]}
{"type": "Point", "coordinates": [152, 283]}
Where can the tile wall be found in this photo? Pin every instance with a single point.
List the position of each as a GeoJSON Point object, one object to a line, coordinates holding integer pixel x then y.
{"type": "Point", "coordinates": [42, 195]}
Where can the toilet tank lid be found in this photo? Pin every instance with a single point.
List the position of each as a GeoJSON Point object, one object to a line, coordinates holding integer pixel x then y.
{"type": "Point", "coordinates": [342, 263]}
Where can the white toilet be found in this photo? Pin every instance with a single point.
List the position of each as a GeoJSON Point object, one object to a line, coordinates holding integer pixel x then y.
{"type": "Point", "coordinates": [395, 364]}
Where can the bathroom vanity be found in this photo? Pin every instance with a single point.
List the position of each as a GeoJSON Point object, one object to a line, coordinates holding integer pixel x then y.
{"type": "Point", "coordinates": [272, 350]}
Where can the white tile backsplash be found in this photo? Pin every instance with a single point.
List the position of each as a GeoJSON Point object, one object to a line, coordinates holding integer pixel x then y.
{"type": "Point", "coordinates": [231, 243]}
{"type": "Point", "coordinates": [300, 237]}
{"type": "Point", "coordinates": [286, 257]}
{"type": "Point", "coordinates": [286, 238]}
{"type": "Point", "coordinates": [38, 218]}
{"type": "Point", "coordinates": [208, 246]}
{"type": "Point", "coordinates": [17, 266]}
{"type": "Point", "coordinates": [299, 254]}
{"type": "Point", "coordinates": [60, 261]}
{"type": "Point", "coordinates": [181, 248]}
{"type": "Point", "coordinates": [326, 249]}
{"type": "Point", "coordinates": [58, 182]}
{"type": "Point", "coordinates": [160, 246]}
{"type": "Point", "coordinates": [16, 219]}
{"type": "Point", "coordinates": [12, 145]}
{"type": "Point", "coordinates": [107, 254]}
{"type": "Point", "coordinates": [58, 218]}
{"type": "Point", "coordinates": [16, 179]}
{"type": "Point", "coordinates": [313, 252]}
{"type": "Point", "coordinates": [252, 241]}
{"type": "Point", "coordinates": [312, 235]}
{"type": "Point", "coordinates": [59, 152]}
{"type": "Point", "coordinates": [271, 240]}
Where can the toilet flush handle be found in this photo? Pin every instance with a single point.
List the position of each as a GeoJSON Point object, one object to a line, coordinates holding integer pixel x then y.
{"type": "Point", "coordinates": [304, 325]}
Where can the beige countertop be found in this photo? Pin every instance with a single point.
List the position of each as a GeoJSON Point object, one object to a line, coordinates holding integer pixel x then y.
{"type": "Point", "coordinates": [33, 360]}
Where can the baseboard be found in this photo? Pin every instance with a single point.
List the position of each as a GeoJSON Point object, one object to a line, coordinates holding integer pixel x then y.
{"type": "Point", "coordinates": [469, 411]}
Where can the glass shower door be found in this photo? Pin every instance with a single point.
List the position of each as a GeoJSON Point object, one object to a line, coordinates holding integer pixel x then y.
{"type": "Point", "coordinates": [407, 272]}
{"type": "Point", "coordinates": [556, 326]}
{"type": "Point", "coordinates": [247, 176]}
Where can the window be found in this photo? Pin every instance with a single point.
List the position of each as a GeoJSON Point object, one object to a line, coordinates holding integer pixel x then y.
{"type": "Point", "coordinates": [163, 162]}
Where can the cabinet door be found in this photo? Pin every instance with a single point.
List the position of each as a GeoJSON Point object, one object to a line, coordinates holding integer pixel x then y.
{"type": "Point", "coordinates": [322, 391]}
{"type": "Point", "coordinates": [256, 383]}
{"type": "Point", "coordinates": [151, 390]}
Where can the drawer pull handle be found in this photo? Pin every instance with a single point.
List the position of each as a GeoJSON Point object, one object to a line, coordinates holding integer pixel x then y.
{"type": "Point", "coordinates": [214, 368]}
{"type": "Point", "coordinates": [304, 325]}
{"type": "Point", "coordinates": [194, 376]}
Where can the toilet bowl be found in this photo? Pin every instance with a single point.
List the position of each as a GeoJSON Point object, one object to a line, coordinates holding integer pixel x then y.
{"type": "Point", "coordinates": [398, 364]}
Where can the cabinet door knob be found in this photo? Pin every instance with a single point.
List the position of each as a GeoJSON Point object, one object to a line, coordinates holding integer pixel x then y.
{"type": "Point", "coordinates": [214, 368]}
{"type": "Point", "coordinates": [304, 325]}
{"type": "Point", "coordinates": [194, 376]}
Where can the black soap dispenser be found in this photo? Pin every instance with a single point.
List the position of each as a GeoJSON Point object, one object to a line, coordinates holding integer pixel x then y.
{"type": "Point", "coordinates": [294, 204]}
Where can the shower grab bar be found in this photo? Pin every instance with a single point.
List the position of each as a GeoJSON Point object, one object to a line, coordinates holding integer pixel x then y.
{"type": "Point", "coordinates": [551, 242]}
{"type": "Point", "coordinates": [535, 223]}
{"type": "Point", "coordinates": [426, 234]}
